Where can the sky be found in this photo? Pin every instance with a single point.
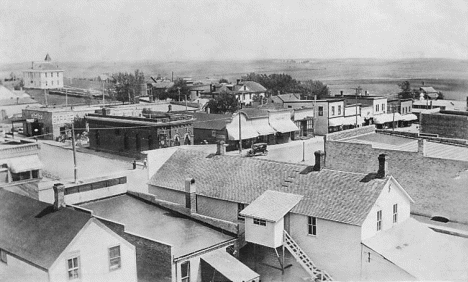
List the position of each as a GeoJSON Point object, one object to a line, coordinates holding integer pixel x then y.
{"type": "Point", "coordinates": [174, 30]}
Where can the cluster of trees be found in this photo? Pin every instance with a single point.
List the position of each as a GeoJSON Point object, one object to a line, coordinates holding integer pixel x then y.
{"type": "Point", "coordinates": [223, 103]}
{"type": "Point", "coordinates": [284, 83]}
{"type": "Point", "coordinates": [413, 93]}
{"type": "Point", "coordinates": [126, 86]}
{"type": "Point", "coordinates": [176, 92]}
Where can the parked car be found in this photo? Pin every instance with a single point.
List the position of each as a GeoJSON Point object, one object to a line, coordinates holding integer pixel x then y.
{"type": "Point", "coordinates": [258, 149]}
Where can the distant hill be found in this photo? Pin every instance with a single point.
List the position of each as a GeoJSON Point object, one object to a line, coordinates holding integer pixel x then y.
{"type": "Point", "coordinates": [378, 76]}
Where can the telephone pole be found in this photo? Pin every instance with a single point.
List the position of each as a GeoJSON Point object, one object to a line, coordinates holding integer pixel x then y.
{"type": "Point", "coordinates": [74, 152]}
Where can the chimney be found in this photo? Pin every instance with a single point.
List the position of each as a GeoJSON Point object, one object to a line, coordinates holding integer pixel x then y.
{"type": "Point", "coordinates": [382, 172]}
{"type": "Point", "coordinates": [59, 196]}
{"type": "Point", "coordinates": [32, 65]}
{"type": "Point", "coordinates": [104, 111]}
{"type": "Point", "coordinates": [421, 146]}
{"type": "Point", "coordinates": [169, 108]}
{"type": "Point", "coordinates": [191, 195]}
{"type": "Point", "coordinates": [366, 93]}
{"type": "Point", "coordinates": [319, 160]}
{"type": "Point", "coordinates": [220, 148]}
{"type": "Point", "coordinates": [238, 81]}
{"type": "Point", "coordinates": [341, 93]}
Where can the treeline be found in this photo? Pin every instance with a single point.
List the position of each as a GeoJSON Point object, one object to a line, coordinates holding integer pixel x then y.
{"type": "Point", "coordinates": [283, 83]}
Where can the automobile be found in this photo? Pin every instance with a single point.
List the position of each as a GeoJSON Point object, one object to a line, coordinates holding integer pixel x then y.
{"type": "Point", "coordinates": [21, 130]}
{"type": "Point", "coordinates": [258, 149]}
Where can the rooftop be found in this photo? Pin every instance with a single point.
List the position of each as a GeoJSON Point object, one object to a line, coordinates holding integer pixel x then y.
{"type": "Point", "coordinates": [334, 195]}
{"type": "Point", "coordinates": [422, 252]}
{"type": "Point", "coordinates": [29, 228]}
{"type": "Point", "coordinates": [185, 235]}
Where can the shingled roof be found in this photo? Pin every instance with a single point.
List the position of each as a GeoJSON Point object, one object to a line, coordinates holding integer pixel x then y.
{"type": "Point", "coordinates": [334, 195]}
{"type": "Point", "coordinates": [33, 231]}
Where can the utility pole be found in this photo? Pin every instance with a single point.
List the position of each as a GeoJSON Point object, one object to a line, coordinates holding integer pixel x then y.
{"type": "Point", "coordinates": [185, 102]}
{"type": "Point", "coordinates": [358, 90]}
{"type": "Point", "coordinates": [45, 97]}
{"type": "Point", "coordinates": [315, 113]}
{"type": "Point", "coordinates": [74, 151]}
{"type": "Point", "coordinates": [240, 135]}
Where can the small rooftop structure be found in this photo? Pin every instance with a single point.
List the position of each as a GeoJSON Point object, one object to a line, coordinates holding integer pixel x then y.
{"type": "Point", "coordinates": [271, 205]}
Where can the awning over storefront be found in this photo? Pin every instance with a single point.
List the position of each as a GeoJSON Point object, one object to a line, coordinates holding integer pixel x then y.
{"type": "Point", "coordinates": [26, 163]}
{"type": "Point", "coordinates": [384, 118]}
{"type": "Point", "coordinates": [335, 121]}
{"type": "Point", "coordinates": [352, 120]}
{"type": "Point", "coordinates": [409, 117]}
{"type": "Point", "coordinates": [262, 126]}
{"type": "Point", "coordinates": [283, 126]}
{"type": "Point", "coordinates": [247, 131]}
{"type": "Point", "coordinates": [302, 114]}
{"type": "Point", "coordinates": [229, 266]}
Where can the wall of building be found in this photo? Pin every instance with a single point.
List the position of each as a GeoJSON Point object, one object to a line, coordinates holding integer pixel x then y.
{"type": "Point", "coordinates": [17, 270]}
{"type": "Point", "coordinates": [335, 249]}
{"type": "Point", "coordinates": [321, 126]}
{"type": "Point", "coordinates": [92, 246]}
{"type": "Point", "coordinates": [169, 195]}
{"type": "Point", "coordinates": [125, 140]}
{"type": "Point", "coordinates": [209, 135]}
{"type": "Point", "coordinates": [444, 125]}
{"type": "Point", "coordinates": [390, 195]}
{"type": "Point", "coordinates": [153, 259]}
{"type": "Point", "coordinates": [43, 79]}
{"type": "Point", "coordinates": [270, 235]}
{"type": "Point", "coordinates": [377, 268]}
{"type": "Point", "coordinates": [216, 208]}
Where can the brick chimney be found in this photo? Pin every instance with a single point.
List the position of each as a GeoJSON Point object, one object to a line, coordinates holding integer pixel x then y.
{"type": "Point", "coordinates": [220, 148]}
{"type": "Point", "coordinates": [341, 93]}
{"type": "Point", "coordinates": [169, 108]}
{"type": "Point", "coordinates": [382, 172]}
{"type": "Point", "coordinates": [191, 195]}
{"type": "Point", "coordinates": [421, 146]}
{"type": "Point", "coordinates": [319, 160]}
{"type": "Point", "coordinates": [59, 196]}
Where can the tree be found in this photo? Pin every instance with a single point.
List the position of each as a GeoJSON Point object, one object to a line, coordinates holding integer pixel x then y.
{"type": "Point", "coordinates": [179, 85]}
{"type": "Point", "coordinates": [223, 103]}
{"type": "Point", "coordinates": [315, 87]}
{"type": "Point", "coordinates": [406, 91]}
{"type": "Point", "coordinates": [223, 80]}
{"type": "Point", "coordinates": [127, 85]}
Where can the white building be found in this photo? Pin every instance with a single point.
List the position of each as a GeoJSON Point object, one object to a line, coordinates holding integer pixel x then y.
{"type": "Point", "coordinates": [337, 225]}
{"type": "Point", "coordinates": [42, 242]}
{"type": "Point", "coordinates": [43, 75]}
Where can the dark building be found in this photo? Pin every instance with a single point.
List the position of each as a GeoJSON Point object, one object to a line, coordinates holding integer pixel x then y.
{"type": "Point", "coordinates": [209, 128]}
{"type": "Point", "coordinates": [128, 135]}
{"type": "Point", "coordinates": [447, 124]}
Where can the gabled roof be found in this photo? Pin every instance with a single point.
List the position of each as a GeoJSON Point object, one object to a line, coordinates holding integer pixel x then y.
{"type": "Point", "coordinates": [289, 97]}
{"type": "Point", "coordinates": [271, 205]}
{"type": "Point", "coordinates": [251, 85]}
{"type": "Point", "coordinates": [334, 195]}
{"type": "Point", "coordinates": [428, 89]}
{"type": "Point", "coordinates": [33, 231]}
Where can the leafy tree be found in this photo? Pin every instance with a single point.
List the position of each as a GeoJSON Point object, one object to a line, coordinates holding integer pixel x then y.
{"type": "Point", "coordinates": [179, 84]}
{"type": "Point", "coordinates": [223, 80]}
{"type": "Point", "coordinates": [223, 103]}
{"type": "Point", "coordinates": [127, 86]}
{"type": "Point", "coordinates": [315, 87]}
{"type": "Point", "coordinates": [406, 91]}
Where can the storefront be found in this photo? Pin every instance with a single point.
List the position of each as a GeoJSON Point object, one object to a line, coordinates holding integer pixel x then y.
{"type": "Point", "coordinates": [304, 120]}
{"type": "Point", "coordinates": [283, 125]}
{"type": "Point", "coordinates": [265, 131]}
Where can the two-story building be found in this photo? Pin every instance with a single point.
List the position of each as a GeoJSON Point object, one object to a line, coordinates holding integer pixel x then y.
{"type": "Point", "coordinates": [404, 108]}
{"type": "Point", "coordinates": [244, 91]}
{"type": "Point", "coordinates": [43, 75]}
{"type": "Point", "coordinates": [43, 242]}
{"type": "Point", "coordinates": [333, 114]}
{"type": "Point", "coordinates": [372, 106]}
{"type": "Point", "coordinates": [331, 221]}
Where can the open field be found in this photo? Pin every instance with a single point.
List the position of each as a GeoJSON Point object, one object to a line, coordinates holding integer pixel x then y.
{"type": "Point", "coordinates": [378, 76]}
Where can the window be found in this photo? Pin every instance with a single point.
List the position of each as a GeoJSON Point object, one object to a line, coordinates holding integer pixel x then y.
{"type": "Point", "coordinates": [320, 111]}
{"type": "Point", "coordinates": [45, 74]}
{"type": "Point", "coordinates": [3, 256]}
{"type": "Point", "coordinates": [339, 110]}
{"type": "Point", "coordinates": [52, 82]}
{"type": "Point", "coordinates": [213, 133]}
{"type": "Point", "coordinates": [25, 175]}
{"type": "Point", "coordinates": [240, 207]}
{"type": "Point", "coordinates": [333, 110]}
{"type": "Point", "coordinates": [395, 213]}
{"type": "Point", "coordinates": [185, 271]}
{"type": "Point", "coordinates": [376, 108]}
{"type": "Point", "coordinates": [312, 225]}
{"type": "Point", "coordinates": [74, 268]}
{"type": "Point", "coordinates": [35, 173]}
{"type": "Point", "coordinates": [259, 221]}
{"type": "Point", "coordinates": [379, 220]}
{"type": "Point", "coordinates": [114, 258]}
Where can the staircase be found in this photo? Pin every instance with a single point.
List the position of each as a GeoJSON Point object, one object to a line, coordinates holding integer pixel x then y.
{"type": "Point", "coordinates": [315, 273]}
